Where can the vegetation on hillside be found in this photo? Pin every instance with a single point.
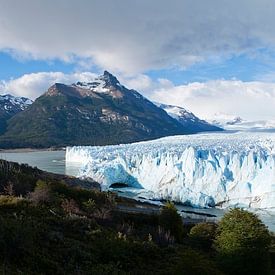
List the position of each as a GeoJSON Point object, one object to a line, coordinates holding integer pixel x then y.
{"type": "Point", "coordinates": [54, 228]}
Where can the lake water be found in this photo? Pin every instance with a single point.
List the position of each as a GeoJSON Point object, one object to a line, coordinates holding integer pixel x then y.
{"type": "Point", "coordinates": [51, 161]}
{"type": "Point", "coordinates": [54, 161]}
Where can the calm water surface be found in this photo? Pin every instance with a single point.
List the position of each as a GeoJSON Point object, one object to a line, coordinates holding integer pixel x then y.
{"type": "Point", "coordinates": [51, 161]}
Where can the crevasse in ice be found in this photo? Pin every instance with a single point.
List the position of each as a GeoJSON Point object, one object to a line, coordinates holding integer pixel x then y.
{"type": "Point", "coordinates": [232, 169]}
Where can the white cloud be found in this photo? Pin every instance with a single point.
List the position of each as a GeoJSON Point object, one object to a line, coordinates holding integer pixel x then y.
{"type": "Point", "coordinates": [33, 85]}
{"type": "Point", "coordinates": [134, 36]}
{"type": "Point", "coordinates": [250, 100]}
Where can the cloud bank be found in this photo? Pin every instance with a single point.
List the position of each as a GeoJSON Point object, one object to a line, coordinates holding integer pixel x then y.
{"type": "Point", "coordinates": [135, 36]}
{"type": "Point", "coordinates": [250, 100]}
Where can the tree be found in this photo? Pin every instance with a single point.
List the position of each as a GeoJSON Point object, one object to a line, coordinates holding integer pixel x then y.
{"type": "Point", "coordinates": [171, 221]}
{"type": "Point", "coordinates": [242, 243]}
{"type": "Point", "coordinates": [203, 234]}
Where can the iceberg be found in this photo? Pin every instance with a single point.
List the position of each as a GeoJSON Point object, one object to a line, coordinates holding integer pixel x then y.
{"type": "Point", "coordinates": [203, 170]}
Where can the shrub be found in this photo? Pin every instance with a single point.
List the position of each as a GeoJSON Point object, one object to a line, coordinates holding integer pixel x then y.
{"type": "Point", "coordinates": [164, 237]}
{"type": "Point", "coordinates": [171, 221]}
{"type": "Point", "coordinates": [9, 189]}
{"type": "Point", "coordinates": [41, 193]}
{"type": "Point", "coordinates": [203, 235]}
{"type": "Point", "coordinates": [242, 243]}
{"type": "Point", "coordinates": [70, 207]}
{"type": "Point", "coordinates": [193, 262]}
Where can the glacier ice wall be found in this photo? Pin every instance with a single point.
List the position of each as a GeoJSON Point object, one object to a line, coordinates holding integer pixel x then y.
{"type": "Point", "coordinates": [201, 170]}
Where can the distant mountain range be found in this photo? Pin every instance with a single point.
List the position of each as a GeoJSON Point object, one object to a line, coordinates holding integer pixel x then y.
{"type": "Point", "coordinates": [10, 106]}
{"type": "Point", "coordinates": [231, 122]}
{"type": "Point", "coordinates": [98, 112]}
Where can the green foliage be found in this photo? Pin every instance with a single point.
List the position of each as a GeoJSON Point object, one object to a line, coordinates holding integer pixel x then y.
{"type": "Point", "coordinates": [243, 243]}
{"type": "Point", "coordinates": [203, 235]}
{"type": "Point", "coordinates": [41, 184]}
{"type": "Point", "coordinates": [22, 177]}
{"type": "Point", "coordinates": [59, 229]}
{"type": "Point", "coordinates": [16, 240]}
{"type": "Point", "coordinates": [89, 205]}
{"type": "Point", "coordinates": [171, 221]}
{"type": "Point", "coordinates": [193, 262]}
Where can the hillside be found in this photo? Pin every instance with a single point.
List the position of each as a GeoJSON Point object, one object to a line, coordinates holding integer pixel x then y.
{"type": "Point", "coordinates": [54, 228]}
{"type": "Point", "coordinates": [95, 113]}
{"type": "Point", "coordinates": [99, 112]}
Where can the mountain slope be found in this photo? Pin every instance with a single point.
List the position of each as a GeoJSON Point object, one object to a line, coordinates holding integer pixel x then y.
{"type": "Point", "coordinates": [188, 119]}
{"type": "Point", "coordinates": [10, 106]}
{"type": "Point", "coordinates": [96, 113]}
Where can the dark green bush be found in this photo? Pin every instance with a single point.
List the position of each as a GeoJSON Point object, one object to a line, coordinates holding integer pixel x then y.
{"type": "Point", "coordinates": [242, 243]}
{"type": "Point", "coordinates": [193, 262]}
{"type": "Point", "coordinates": [202, 235]}
{"type": "Point", "coordinates": [171, 221]}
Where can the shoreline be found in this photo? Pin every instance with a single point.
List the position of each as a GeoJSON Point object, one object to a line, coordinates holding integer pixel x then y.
{"type": "Point", "coordinates": [29, 150]}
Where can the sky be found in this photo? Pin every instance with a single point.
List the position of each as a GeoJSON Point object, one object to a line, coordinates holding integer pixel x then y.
{"type": "Point", "coordinates": [212, 57]}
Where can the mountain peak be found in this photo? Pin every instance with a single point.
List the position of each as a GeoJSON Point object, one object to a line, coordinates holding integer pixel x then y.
{"type": "Point", "coordinates": [109, 78]}
{"type": "Point", "coordinates": [100, 83]}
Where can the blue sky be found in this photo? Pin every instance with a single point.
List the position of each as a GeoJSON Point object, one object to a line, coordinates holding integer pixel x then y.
{"type": "Point", "coordinates": [12, 67]}
{"type": "Point", "coordinates": [243, 67]}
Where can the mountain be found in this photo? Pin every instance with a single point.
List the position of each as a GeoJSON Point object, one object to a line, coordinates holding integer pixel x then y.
{"type": "Point", "coordinates": [188, 119]}
{"type": "Point", "coordinates": [98, 112]}
{"type": "Point", "coordinates": [10, 106]}
{"type": "Point", "coordinates": [231, 122]}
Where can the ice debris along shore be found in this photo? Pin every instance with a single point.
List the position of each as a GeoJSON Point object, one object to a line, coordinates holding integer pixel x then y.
{"type": "Point", "coordinates": [232, 169]}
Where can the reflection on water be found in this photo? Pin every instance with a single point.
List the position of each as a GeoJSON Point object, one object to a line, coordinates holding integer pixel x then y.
{"type": "Point", "coordinates": [54, 162]}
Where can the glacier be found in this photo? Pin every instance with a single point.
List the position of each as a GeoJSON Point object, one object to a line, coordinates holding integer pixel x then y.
{"type": "Point", "coordinates": [202, 170]}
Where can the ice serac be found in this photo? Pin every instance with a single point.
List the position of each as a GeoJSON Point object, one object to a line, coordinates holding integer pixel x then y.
{"type": "Point", "coordinates": [236, 169]}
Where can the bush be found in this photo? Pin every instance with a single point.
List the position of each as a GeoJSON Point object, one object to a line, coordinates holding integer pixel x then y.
{"type": "Point", "coordinates": [41, 193]}
{"type": "Point", "coordinates": [193, 262]}
{"type": "Point", "coordinates": [242, 243]}
{"type": "Point", "coordinates": [171, 221]}
{"type": "Point", "coordinates": [203, 235]}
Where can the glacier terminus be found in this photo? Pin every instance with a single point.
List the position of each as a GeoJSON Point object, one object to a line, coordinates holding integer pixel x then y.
{"type": "Point", "coordinates": [202, 170]}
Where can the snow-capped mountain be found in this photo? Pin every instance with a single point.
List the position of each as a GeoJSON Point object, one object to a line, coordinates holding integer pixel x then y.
{"type": "Point", "coordinates": [10, 106]}
{"type": "Point", "coordinates": [233, 169]}
{"type": "Point", "coordinates": [98, 112]}
{"type": "Point", "coordinates": [231, 122]}
{"type": "Point", "coordinates": [188, 119]}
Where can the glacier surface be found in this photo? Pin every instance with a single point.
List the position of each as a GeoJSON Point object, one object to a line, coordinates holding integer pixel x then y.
{"type": "Point", "coordinates": [225, 169]}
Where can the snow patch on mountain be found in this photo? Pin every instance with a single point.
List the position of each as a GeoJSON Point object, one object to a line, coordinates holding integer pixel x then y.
{"type": "Point", "coordinates": [9, 102]}
{"type": "Point", "coordinates": [188, 119]}
{"type": "Point", "coordinates": [177, 112]}
{"type": "Point", "coordinates": [236, 169]}
{"type": "Point", "coordinates": [100, 84]}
